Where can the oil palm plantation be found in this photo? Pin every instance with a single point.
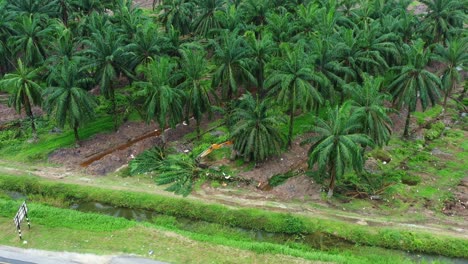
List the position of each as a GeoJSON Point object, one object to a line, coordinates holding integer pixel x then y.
{"type": "Point", "coordinates": [261, 51]}
{"type": "Point", "coordinates": [177, 14]}
{"type": "Point", "coordinates": [290, 82]}
{"type": "Point", "coordinates": [107, 56]}
{"type": "Point", "coordinates": [368, 107]}
{"type": "Point", "coordinates": [231, 57]}
{"type": "Point", "coordinates": [147, 44]}
{"type": "Point", "coordinates": [256, 132]}
{"type": "Point", "coordinates": [65, 98]}
{"type": "Point", "coordinates": [336, 146]}
{"type": "Point", "coordinates": [414, 83]}
{"type": "Point", "coordinates": [163, 102]}
{"type": "Point", "coordinates": [6, 19]}
{"type": "Point", "coordinates": [25, 90]}
{"type": "Point", "coordinates": [205, 21]}
{"type": "Point", "coordinates": [29, 39]}
{"type": "Point", "coordinates": [455, 58]}
{"type": "Point", "coordinates": [442, 17]}
{"type": "Point", "coordinates": [195, 77]}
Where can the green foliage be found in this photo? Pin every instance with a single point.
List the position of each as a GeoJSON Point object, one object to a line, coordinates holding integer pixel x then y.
{"type": "Point", "coordinates": [9, 137]}
{"type": "Point", "coordinates": [279, 179]}
{"type": "Point", "coordinates": [148, 161]}
{"type": "Point", "coordinates": [336, 146]}
{"type": "Point", "coordinates": [24, 151]}
{"type": "Point", "coordinates": [381, 154]}
{"type": "Point", "coordinates": [412, 79]}
{"type": "Point", "coordinates": [66, 99]}
{"type": "Point", "coordinates": [290, 79]}
{"type": "Point", "coordinates": [435, 131]}
{"type": "Point", "coordinates": [180, 171]}
{"type": "Point", "coordinates": [368, 104]}
{"type": "Point", "coordinates": [256, 132]}
{"type": "Point", "coordinates": [409, 179]}
{"type": "Point", "coordinates": [163, 102]}
{"type": "Point", "coordinates": [25, 90]}
{"type": "Point", "coordinates": [429, 114]}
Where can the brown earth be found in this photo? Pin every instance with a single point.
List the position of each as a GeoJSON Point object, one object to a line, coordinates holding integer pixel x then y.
{"type": "Point", "coordinates": [459, 205]}
{"type": "Point", "coordinates": [8, 114]}
{"type": "Point", "coordinates": [121, 141]}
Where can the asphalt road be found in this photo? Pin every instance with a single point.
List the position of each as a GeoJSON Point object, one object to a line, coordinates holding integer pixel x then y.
{"type": "Point", "coordinates": [12, 255]}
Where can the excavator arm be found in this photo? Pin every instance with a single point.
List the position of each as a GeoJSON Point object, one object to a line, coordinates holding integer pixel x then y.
{"type": "Point", "coordinates": [211, 148]}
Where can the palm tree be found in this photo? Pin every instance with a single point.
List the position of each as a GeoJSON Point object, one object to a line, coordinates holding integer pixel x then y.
{"type": "Point", "coordinates": [25, 90]}
{"type": "Point", "coordinates": [30, 39]}
{"type": "Point", "coordinates": [368, 107]}
{"type": "Point", "coordinates": [454, 57]}
{"type": "Point", "coordinates": [231, 58]}
{"type": "Point", "coordinates": [147, 44]}
{"type": "Point", "coordinates": [280, 26]}
{"type": "Point", "coordinates": [27, 8]}
{"type": "Point", "coordinates": [66, 99]}
{"type": "Point", "coordinates": [163, 102]}
{"type": "Point", "coordinates": [261, 51]}
{"type": "Point", "coordinates": [290, 80]}
{"type": "Point", "coordinates": [64, 48]}
{"type": "Point", "coordinates": [377, 48]}
{"type": "Point", "coordinates": [107, 58]}
{"type": "Point", "coordinates": [230, 18]}
{"type": "Point", "coordinates": [255, 11]}
{"type": "Point", "coordinates": [205, 20]}
{"type": "Point", "coordinates": [256, 132]}
{"type": "Point", "coordinates": [413, 82]}
{"type": "Point", "coordinates": [6, 19]}
{"type": "Point", "coordinates": [128, 17]}
{"type": "Point", "coordinates": [86, 7]}
{"type": "Point", "coordinates": [443, 16]}
{"type": "Point", "coordinates": [195, 78]}
{"type": "Point", "coordinates": [336, 145]}
{"type": "Point", "coordinates": [326, 62]}
{"type": "Point", "coordinates": [177, 14]}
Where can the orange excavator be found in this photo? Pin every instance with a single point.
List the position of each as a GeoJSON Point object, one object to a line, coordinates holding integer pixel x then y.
{"type": "Point", "coordinates": [210, 149]}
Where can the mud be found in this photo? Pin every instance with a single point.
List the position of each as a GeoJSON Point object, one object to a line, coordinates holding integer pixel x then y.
{"type": "Point", "coordinates": [459, 205]}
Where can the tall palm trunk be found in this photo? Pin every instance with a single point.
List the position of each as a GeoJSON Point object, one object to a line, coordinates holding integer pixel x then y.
{"type": "Point", "coordinates": [29, 113]}
{"type": "Point", "coordinates": [260, 78]}
{"type": "Point", "coordinates": [407, 123]}
{"type": "Point", "coordinates": [447, 93]}
{"type": "Point", "coordinates": [197, 120]}
{"type": "Point", "coordinates": [75, 131]}
{"type": "Point", "coordinates": [331, 187]}
{"type": "Point", "coordinates": [291, 117]}
{"type": "Point", "coordinates": [114, 107]}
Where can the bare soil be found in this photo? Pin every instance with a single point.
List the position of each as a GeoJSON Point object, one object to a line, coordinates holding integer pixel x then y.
{"type": "Point", "coordinates": [459, 205]}
{"type": "Point", "coordinates": [129, 131]}
{"type": "Point", "coordinates": [8, 114]}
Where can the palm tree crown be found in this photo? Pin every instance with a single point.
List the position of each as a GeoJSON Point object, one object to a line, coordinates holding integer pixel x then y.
{"type": "Point", "coordinates": [336, 145]}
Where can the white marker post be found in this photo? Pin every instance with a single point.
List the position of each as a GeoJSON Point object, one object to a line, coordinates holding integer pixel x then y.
{"type": "Point", "coordinates": [22, 212]}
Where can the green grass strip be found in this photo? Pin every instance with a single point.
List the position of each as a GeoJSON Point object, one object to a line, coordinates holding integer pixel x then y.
{"type": "Point", "coordinates": [51, 217]}
{"type": "Point", "coordinates": [49, 142]}
{"type": "Point", "coordinates": [57, 217]}
{"type": "Point", "coordinates": [256, 219]}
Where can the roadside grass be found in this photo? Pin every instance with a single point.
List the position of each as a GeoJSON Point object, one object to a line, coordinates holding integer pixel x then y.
{"type": "Point", "coordinates": [62, 229]}
{"type": "Point", "coordinates": [47, 143]}
{"type": "Point", "coordinates": [255, 219]}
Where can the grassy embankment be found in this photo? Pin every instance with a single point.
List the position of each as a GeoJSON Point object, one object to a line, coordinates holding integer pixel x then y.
{"type": "Point", "coordinates": [255, 219]}
{"type": "Point", "coordinates": [61, 229]}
